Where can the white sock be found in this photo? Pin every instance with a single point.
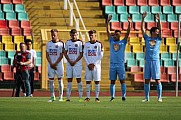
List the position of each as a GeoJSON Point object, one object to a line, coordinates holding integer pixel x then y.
{"type": "Point", "coordinates": [80, 89]}
{"type": "Point", "coordinates": [97, 89]}
{"type": "Point", "coordinates": [60, 88]}
{"type": "Point", "coordinates": [69, 89]}
{"type": "Point", "coordinates": [51, 85]}
{"type": "Point", "coordinates": [88, 90]}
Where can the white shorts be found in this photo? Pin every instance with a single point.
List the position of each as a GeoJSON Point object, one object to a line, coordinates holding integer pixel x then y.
{"type": "Point", "coordinates": [94, 74]}
{"type": "Point", "coordinates": [73, 71]}
{"type": "Point", "coordinates": [53, 72]}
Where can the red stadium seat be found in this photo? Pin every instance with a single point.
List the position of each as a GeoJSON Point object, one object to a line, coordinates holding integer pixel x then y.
{"type": "Point", "coordinates": [162, 70]}
{"type": "Point", "coordinates": [5, 68]}
{"type": "Point", "coordinates": [137, 26]}
{"type": "Point", "coordinates": [142, 2]}
{"type": "Point", "coordinates": [173, 78]}
{"type": "Point", "coordinates": [27, 32]}
{"type": "Point", "coordinates": [166, 33]}
{"type": "Point", "coordinates": [107, 2]}
{"type": "Point", "coordinates": [138, 77]}
{"type": "Point", "coordinates": [135, 69]}
{"type": "Point", "coordinates": [165, 25]}
{"type": "Point", "coordinates": [176, 33]}
{"type": "Point", "coordinates": [36, 76]}
{"type": "Point", "coordinates": [174, 26]}
{"type": "Point", "coordinates": [8, 76]}
{"type": "Point", "coordinates": [39, 69]}
{"type": "Point", "coordinates": [25, 24]}
{"type": "Point", "coordinates": [119, 2]}
{"type": "Point", "coordinates": [17, 1]}
{"type": "Point", "coordinates": [1, 76]}
{"type": "Point", "coordinates": [171, 70]}
{"type": "Point", "coordinates": [176, 2]}
{"type": "Point", "coordinates": [164, 77]}
{"type": "Point", "coordinates": [4, 31]}
{"type": "Point", "coordinates": [5, 1]}
{"type": "Point", "coordinates": [13, 24]}
{"type": "Point", "coordinates": [150, 25]}
{"type": "Point", "coordinates": [130, 2]}
{"type": "Point", "coordinates": [165, 2]}
{"type": "Point", "coordinates": [16, 31]}
{"type": "Point", "coordinates": [153, 2]}
{"type": "Point", "coordinates": [125, 26]}
{"type": "Point", "coordinates": [116, 26]}
{"type": "Point", "coordinates": [3, 24]}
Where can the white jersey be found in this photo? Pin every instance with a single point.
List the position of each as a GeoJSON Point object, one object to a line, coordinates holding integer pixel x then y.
{"type": "Point", "coordinates": [73, 51]}
{"type": "Point", "coordinates": [54, 50]}
{"type": "Point", "coordinates": [93, 53]}
{"type": "Point", "coordinates": [33, 55]}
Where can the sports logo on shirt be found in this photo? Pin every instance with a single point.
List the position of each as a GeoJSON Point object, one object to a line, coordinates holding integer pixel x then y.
{"type": "Point", "coordinates": [53, 52]}
{"type": "Point", "coordinates": [116, 47]}
{"type": "Point", "coordinates": [76, 45]}
{"type": "Point", "coordinates": [91, 52]}
{"type": "Point", "coordinates": [95, 47]}
{"type": "Point", "coordinates": [152, 43]}
{"type": "Point", "coordinates": [56, 46]}
{"type": "Point", "coordinates": [72, 50]}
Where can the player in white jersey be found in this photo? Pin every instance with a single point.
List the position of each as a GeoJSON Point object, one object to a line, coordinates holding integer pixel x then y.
{"type": "Point", "coordinates": [54, 54]}
{"type": "Point", "coordinates": [93, 53]}
{"type": "Point", "coordinates": [73, 53]}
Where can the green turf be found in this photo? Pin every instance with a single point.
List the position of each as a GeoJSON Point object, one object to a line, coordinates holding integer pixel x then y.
{"type": "Point", "coordinates": [37, 108]}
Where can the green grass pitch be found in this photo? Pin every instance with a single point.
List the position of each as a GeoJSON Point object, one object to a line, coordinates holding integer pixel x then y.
{"type": "Point", "coordinates": [37, 108]}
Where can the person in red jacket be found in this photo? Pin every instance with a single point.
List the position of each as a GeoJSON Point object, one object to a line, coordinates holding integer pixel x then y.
{"type": "Point", "coordinates": [22, 59]}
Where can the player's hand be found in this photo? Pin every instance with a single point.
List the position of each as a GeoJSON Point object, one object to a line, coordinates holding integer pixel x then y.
{"type": "Point", "coordinates": [21, 63]}
{"type": "Point", "coordinates": [157, 16]}
{"type": "Point", "coordinates": [109, 18]}
{"type": "Point", "coordinates": [144, 14]}
{"type": "Point", "coordinates": [72, 63]}
{"type": "Point", "coordinates": [129, 19]}
{"type": "Point", "coordinates": [91, 66]}
{"type": "Point", "coordinates": [53, 66]}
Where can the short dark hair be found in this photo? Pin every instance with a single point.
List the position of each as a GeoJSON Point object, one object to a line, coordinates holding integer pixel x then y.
{"type": "Point", "coordinates": [117, 31]}
{"type": "Point", "coordinates": [153, 29]}
{"type": "Point", "coordinates": [22, 43]}
{"type": "Point", "coordinates": [73, 31]}
{"type": "Point", "coordinates": [54, 30]}
{"type": "Point", "coordinates": [28, 40]}
{"type": "Point", "coordinates": [92, 31]}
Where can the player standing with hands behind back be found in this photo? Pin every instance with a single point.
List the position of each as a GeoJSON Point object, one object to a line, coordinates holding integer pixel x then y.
{"type": "Point", "coordinates": [152, 62]}
{"type": "Point", "coordinates": [117, 58]}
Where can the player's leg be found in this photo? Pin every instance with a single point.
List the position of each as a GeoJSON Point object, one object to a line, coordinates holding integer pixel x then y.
{"type": "Point", "coordinates": [69, 75]}
{"type": "Point", "coordinates": [88, 79]}
{"type": "Point", "coordinates": [18, 84]}
{"type": "Point", "coordinates": [147, 76]}
{"type": "Point", "coordinates": [156, 77]}
{"type": "Point", "coordinates": [59, 73]}
{"type": "Point", "coordinates": [31, 72]}
{"type": "Point", "coordinates": [97, 79]}
{"type": "Point", "coordinates": [121, 75]}
{"type": "Point", "coordinates": [25, 79]}
{"type": "Point", "coordinates": [77, 73]}
{"type": "Point", "coordinates": [112, 77]}
{"type": "Point", "coordinates": [51, 74]}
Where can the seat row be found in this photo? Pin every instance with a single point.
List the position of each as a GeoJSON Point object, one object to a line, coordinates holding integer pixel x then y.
{"type": "Point", "coordinates": [142, 9]}
{"type": "Point", "coordinates": [149, 18]}
{"type": "Point", "coordinates": [11, 1]}
{"type": "Point", "coordinates": [13, 16]}
{"type": "Point", "coordinates": [141, 2]}
{"type": "Point", "coordinates": [12, 8]}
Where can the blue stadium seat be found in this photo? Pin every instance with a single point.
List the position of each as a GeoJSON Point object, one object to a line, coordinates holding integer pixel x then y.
{"type": "Point", "coordinates": [122, 9]}
{"type": "Point", "coordinates": [167, 9]}
{"type": "Point", "coordinates": [145, 8]}
{"type": "Point", "coordinates": [172, 18]}
{"type": "Point", "coordinates": [136, 17]}
{"type": "Point", "coordinates": [124, 17]}
{"type": "Point", "coordinates": [178, 9]}
{"type": "Point", "coordinates": [156, 9]}
{"type": "Point", "coordinates": [133, 9]}
{"type": "Point", "coordinates": [110, 9]}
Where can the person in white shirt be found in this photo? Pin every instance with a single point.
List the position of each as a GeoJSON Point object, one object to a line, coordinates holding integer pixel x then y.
{"type": "Point", "coordinates": [73, 53]}
{"type": "Point", "coordinates": [93, 53]}
{"type": "Point", "coordinates": [54, 55]}
{"type": "Point", "coordinates": [32, 66]}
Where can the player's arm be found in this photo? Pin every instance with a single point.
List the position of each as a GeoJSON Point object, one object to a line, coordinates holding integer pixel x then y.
{"type": "Point", "coordinates": [100, 54]}
{"type": "Point", "coordinates": [66, 56]}
{"type": "Point", "coordinates": [48, 58]}
{"type": "Point", "coordinates": [79, 57]}
{"type": "Point", "coordinates": [108, 26]}
{"type": "Point", "coordinates": [159, 24]}
{"type": "Point", "coordinates": [143, 23]}
{"type": "Point", "coordinates": [28, 57]}
{"type": "Point", "coordinates": [34, 61]}
{"type": "Point", "coordinates": [85, 56]}
{"type": "Point", "coordinates": [128, 29]}
{"type": "Point", "coordinates": [59, 59]}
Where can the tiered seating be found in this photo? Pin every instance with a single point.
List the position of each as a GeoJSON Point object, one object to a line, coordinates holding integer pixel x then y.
{"type": "Point", "coordinates": [14, 28]}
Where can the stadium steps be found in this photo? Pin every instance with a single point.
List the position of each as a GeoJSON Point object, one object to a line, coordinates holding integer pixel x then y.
{"type": "Point", "coordinates": [50, 14]}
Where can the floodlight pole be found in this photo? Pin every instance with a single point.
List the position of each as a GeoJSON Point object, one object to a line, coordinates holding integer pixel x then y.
{"type": "Point", "coordinates": [177, 62]}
